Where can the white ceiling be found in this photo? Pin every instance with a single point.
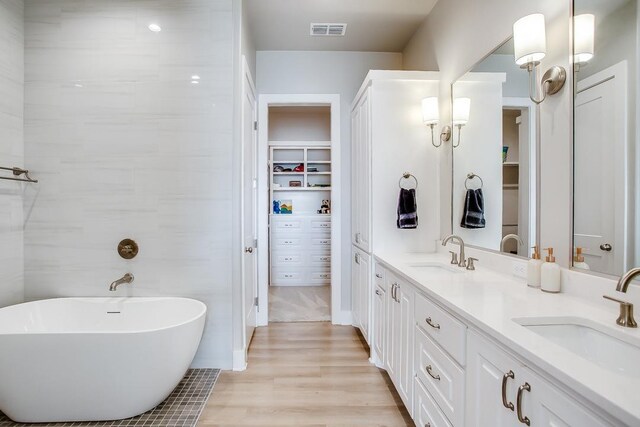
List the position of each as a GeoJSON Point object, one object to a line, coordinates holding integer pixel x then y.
{"type": "Point", "coordinates": [372, 25]}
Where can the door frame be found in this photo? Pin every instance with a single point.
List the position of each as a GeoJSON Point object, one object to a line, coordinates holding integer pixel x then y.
{"type": "Point", "coordinates": [264, 205]}
{"type": "Point", "coordinates": [619, 72]}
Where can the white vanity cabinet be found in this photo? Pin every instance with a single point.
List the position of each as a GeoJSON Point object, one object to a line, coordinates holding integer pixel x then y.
{"type": "Point", "coordinates": [503, 392]}
{"type": "Point", "coordinates": [361, 172]}
{"type": "Point", "coordinates": [379, 316]}
{"type": "Point", "coordinates": [400, 325]}
{"type": "Point", "coordinates": [360, 294]}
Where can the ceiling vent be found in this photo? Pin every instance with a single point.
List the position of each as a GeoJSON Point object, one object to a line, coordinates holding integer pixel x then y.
{"type": "Point", "coordinates": [328, 29]}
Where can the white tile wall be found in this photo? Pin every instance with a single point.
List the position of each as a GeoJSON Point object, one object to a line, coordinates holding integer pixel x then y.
{"type": "Point", "coordinates": [11, 150]}
{"type": "Point", "coordinates": [126, 146]}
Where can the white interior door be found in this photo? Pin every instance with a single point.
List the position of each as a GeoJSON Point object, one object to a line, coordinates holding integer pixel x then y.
{"type": "Point", "coordinates": [249, 203]}
{"type": "Point", "coordinates": [600, 171]}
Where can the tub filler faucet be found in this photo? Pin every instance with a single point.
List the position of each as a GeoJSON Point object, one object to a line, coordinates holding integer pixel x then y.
{"type": "Point", "coordinates": [127, 278]}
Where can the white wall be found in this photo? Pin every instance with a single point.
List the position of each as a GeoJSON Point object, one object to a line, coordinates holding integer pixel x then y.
{"type": "Point", "coordinates": [11, 150]}
{"type": "Point", "coordinates": [459, 33]}
{"type": "Point", "coordinates": [126, 146]}
{"type": "Point", "coordinates": [288, 72]}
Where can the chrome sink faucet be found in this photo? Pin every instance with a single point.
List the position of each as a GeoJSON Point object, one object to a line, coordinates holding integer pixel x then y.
{"type": "Point", "coordinates": [626, 308]}
{"type": "Point", "coordinates": [127, 278]}
{"type": "Point", "coordinates": [462, 260]}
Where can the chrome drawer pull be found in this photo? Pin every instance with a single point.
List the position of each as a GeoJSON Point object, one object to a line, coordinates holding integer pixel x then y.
{"type": "Point", "coordinates": [430, 323]}
{"type": "Point", "coordinates": [521, 390]}
{"type": "Point", "coordinates": [378, 292]}
{"type": "Point", "coordinates": [508, 405]}
{"type": "Point", "coordinates": [435, 377]}
{"type": "Point", "coordinates": [379, 276]}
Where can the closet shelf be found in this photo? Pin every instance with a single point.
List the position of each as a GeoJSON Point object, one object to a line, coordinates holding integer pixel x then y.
{"type": "Point", "coordinates": [510, 186]}
{"type": "Point", "coordinates": [301, 188]}
{"type": "Point", "coordinates": [288, 173]}
{"type": "Point", "coordinates": [510, 164]}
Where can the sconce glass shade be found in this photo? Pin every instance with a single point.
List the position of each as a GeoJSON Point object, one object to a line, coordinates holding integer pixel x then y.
{"type": "Point", "coordinates": [430, 114]}
{"type": "Point", "coordinates": [529, 39]}
{"type": "Point", "coordinates": [583, 37]}
{"type": "Point", "coordinates": [461, 108]}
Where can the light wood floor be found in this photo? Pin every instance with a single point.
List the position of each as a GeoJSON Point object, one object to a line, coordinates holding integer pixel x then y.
{"type": "Point", "coordinates": [305, 374]}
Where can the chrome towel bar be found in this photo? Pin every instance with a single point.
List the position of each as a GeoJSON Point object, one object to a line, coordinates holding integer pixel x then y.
{"type": "Point", "coordinates": [17, 173]}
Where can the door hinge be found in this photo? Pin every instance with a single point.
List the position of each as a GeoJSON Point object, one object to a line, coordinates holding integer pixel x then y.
{"type": "Point", "coordinates": [255, 125]}
{"type": "Point", "coordinates": [256, 301]}
{"type": "Point", "coordinates": [255, 243]}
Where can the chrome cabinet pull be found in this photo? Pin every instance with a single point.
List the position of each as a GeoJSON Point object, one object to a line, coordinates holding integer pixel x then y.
{"type": "Point", "coordinates": [379, 276]}
{"type": "Point", "coordinates": [430, 323]}
{"type": "Point", "coordinates": [378, 292]}
{"type": "Point", "coordinates": [428, 369]}
{"type": "Point", "coordinates": [396, 297]}
{"type": "Point", "coordinates": [521, 390]}
{"type": "Point", "coordinates": [505, 377]}
{"type": "Point", "coordinates": [393, 292]}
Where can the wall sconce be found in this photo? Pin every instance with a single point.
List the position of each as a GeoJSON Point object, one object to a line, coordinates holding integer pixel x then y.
{"type": "Point", "coordinates": [530, 46]}
{"type": "Point", "coordinates": [584, 27]}
{"type": "Point", "coordinates": [431, 116]}
{"type": "Point", "coordinates": [461, 109]}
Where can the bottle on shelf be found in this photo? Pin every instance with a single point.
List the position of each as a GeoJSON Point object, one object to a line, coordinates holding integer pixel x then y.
{"type": "Point", "coordinates": [550, 274]}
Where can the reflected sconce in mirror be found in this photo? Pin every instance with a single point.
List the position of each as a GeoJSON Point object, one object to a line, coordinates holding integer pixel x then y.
{"type": "Point", "coordinates": [431, 117]}
{"type": "Point", "coordinates": [584, 28]}
{"type": "Point", "coordinates": [530, 47]}
{"type": "Point", "coordinates": [461, 109]}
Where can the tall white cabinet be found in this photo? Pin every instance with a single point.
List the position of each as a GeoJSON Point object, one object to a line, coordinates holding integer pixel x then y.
{"type": "Point", "coordinates": [388, 138]}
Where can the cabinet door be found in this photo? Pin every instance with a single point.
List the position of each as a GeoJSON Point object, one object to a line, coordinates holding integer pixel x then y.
{"type": "Point", "coordinates": [405, 325]}
{"type": "Point", "coordinates": [486, 369]}
{"type": "Point", "coordinates": [364, 276]}
{"type": "Point", "coordinates": [355, 287]}
{"type": "Point", "coordinates": [546, 406]}
{"type": "Point", "coordinates": [364, 172]}
{"type": "Point", "coordinates": [379, 320]}
{"type": "Point", "coordinates": [391, 342]}
{"type": "Point", "coordinates": [355, 175]}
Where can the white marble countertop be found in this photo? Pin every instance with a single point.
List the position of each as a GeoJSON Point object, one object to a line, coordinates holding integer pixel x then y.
{"type": "Point", "coordinates": [489, 300]}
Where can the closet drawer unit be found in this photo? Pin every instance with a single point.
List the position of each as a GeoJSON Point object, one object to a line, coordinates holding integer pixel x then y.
{"type": "Point", "coordinates": [319, 277]}
{"type": "Point", "coordinates": [441, 376]}
{"type": "Point", "coordinates": [286, 243]}
{"type": "Point", "coordinates": [296, 224]}
{"type": "Point", "coordinates": [287, 276]}
{"type": "Point", "coordinates": [320, 242]}
{"type": "Point", "coordinates": [379, 276]}
{"type": "Point", "coordinates": [320, 224]}
{"type": "Point", "coordinates": [446, 330]}
{"type": "Point", "coordinates": [425, 410]}
{"type": "Point", "coordinates": [283, 259]}
{"type": "Point", "coordinates": [320, 259]}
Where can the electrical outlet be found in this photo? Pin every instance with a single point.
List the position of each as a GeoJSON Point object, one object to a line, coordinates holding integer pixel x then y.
{"type": "Point", "coordinates": [519, 269]}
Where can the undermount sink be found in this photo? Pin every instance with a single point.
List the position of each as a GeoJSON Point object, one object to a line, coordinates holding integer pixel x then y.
{"type": "Point", "coordinates": [436, 267]}
{"type": "Point", "coordinates": [591, 341]}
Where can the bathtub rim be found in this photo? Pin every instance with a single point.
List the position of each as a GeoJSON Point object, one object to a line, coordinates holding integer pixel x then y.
{"type": "Point", "coordinates": [201, 313]}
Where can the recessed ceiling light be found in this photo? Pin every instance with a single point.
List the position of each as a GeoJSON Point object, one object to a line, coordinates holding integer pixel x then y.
{"type": "Point", "coordinates": [78, 85]}
{"type": "Point", "coordinates": [195, 77]}
{"type": "Point", "coordinates": [194, 82]}
{"type": "Point", "coordinates": [155, 28]}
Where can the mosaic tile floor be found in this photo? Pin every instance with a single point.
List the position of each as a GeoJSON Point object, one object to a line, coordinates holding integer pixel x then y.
{"type": "Point", "coordinates": [181, 409]}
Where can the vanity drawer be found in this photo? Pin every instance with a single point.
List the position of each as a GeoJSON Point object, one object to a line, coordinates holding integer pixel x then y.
{"type": "Point", "coordinates": [320, 242]}
{"type": "Point", "coordinates": [286, 243]}
{"type": "Point", "coordinates": [379, 276]}
{"type": "Point", "coordinates": [286, 259]}
{"type": "Point", "coordinates": [426, 411]}
{"type": "Point", "coordinates": [287, 224]}
{"type": "Point", "coordinates": [320, 224]}
{"type": "Point", "coordinates": [441, 376]}
{"type": "Point", "coordinates": [286, 276]}
{"type": "Point", "coordinates": [445, 329]}
{"type": "Point", "coordinates": [319, 277]}
{"type": "Point", "coordinates": [321, 259]}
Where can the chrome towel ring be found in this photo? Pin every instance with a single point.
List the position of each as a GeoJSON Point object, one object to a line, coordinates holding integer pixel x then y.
{"type": "Point", "coordinates": [470, 177]}
{"type": "Point", "coordinates": [407, 175]}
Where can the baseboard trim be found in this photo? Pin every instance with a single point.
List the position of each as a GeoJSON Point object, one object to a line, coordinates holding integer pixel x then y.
{"type": "Point", "coordinates": [343, 318]}
{"type": "Point", "coordinates": [239, 362]}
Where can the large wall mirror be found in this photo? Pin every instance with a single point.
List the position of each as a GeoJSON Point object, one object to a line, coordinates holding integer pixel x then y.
{"type": "Point", "coordinates": [606, 219]}
{"type": "Point", "coordinates": [495, 156]}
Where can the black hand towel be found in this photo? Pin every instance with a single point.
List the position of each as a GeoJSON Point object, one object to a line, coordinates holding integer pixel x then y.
{"type": "Point", "coordinates": [473, 215]}
{"type": "Point", "coordinates": [407, 209]}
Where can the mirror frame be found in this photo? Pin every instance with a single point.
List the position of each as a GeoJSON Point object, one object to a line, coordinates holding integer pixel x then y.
{"type": "Point", "coordinates": [537, 166]}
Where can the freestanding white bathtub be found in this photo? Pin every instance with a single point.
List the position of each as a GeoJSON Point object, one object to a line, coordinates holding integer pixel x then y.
{"type": "Point", "coordinates": [94, 359]}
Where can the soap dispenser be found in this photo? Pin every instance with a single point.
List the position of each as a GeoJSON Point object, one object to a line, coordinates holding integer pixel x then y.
{"type": "Point", "coordinates": [533, 269]}
{"type": "Point", "coordinates": [550, 274]}
{"type": "Point", "coordinates": [578, 260]}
